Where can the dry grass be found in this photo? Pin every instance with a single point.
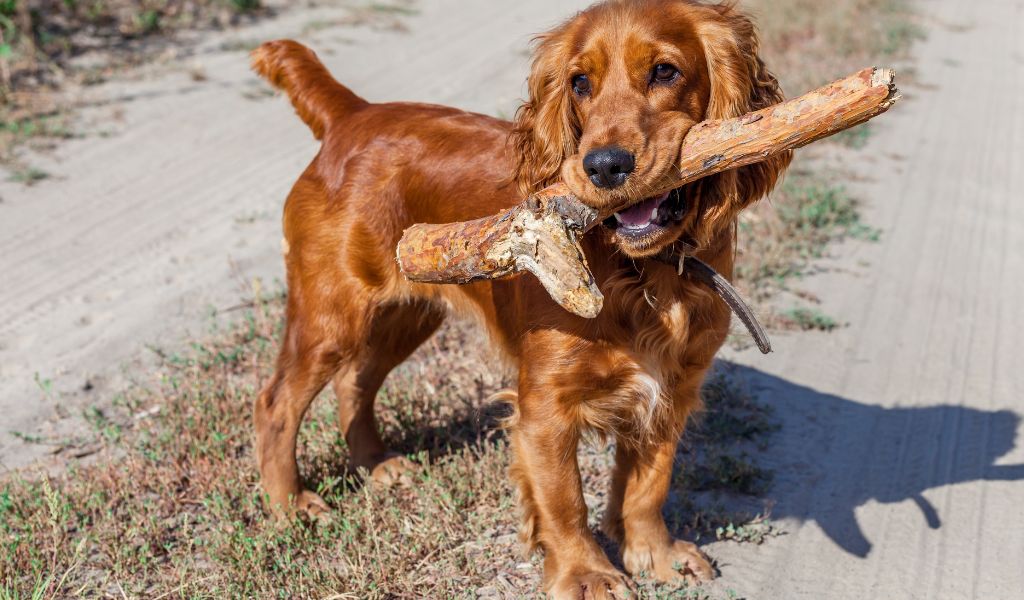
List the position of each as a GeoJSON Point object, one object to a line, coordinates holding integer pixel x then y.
{"type": "Point", "coordinates": [780, 238]}
{"type": "Point", "coordinates": [50, 46]}
{"type": "Point", "coordinates": [42, 38]}
{"type": "Point", "coordinates": [47, 45]}
{"type": "Point", "coordinates": [172, 507]}
{"type": "Point", "coordinates": [809, 43]}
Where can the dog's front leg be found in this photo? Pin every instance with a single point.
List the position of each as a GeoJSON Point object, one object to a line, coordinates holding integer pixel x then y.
{"type": "Point", "coordinates": [546, 470]}
{"type": "Point", "coordinates": [640, 484]}
{"type": "Point", "coordinates": [633, 518]}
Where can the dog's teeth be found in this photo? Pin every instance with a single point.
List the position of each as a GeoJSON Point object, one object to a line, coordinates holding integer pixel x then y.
{"type": "Point", "coordinates": [654, 213]}
{"type": "Point", "coordinates": [618, 218]}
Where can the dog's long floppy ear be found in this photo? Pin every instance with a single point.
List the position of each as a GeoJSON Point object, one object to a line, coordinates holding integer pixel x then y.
{"type": "Point", "coordinates": [740, 83]}
{"type": "Point", "coordinates": [546, 128]}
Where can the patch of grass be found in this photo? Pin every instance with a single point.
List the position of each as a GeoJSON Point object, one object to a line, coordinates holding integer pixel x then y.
{"type": "Point", "coordinates": [27, 175]}
{"type": "Point", "coordinates": [718, 465]}
{"type": "Point", "coordinates": [755, 531]}
{"type": "Point", "coordinates": [808, 319]}
{"type": "Point", "coordinates": [393, 8]}
{"type": "Point", "coordinates": [174, 504]}
{"type": "Point", "coordinates": [40, 38]}
{"type": "Point", "coordinates": [245, 6]}
{"type": "Point", "coordinates": [855, 137]}
{"type": "Point", "coordinates": [36, 130]}
{"type": "Point", "coordinates": [28, 438]}
{"type": "Point", "coordinates": [53, 125]}
{"type": "Point", "coordinates": [808, 43]}
{"type": "Point", "coordinates": [102, 424]}
{"type": "Point", "coordinates": [385, 16]}
{"type": "Point", "coordinates": [820, 212]}
{"type": "Point", "coordinates": [181, 510]}
{"type": "Point", "coordinates": [147, 21]}
{"type": "Point", "coordinates": [239, 45]}
{"type": "Point", "coordinates": [779, 238]}
{"type": "Point", "coordinates": [685, 593]}
{"type": "Point", "coordinates": [730, 472]}
{"type": "Point", "coordinates": [898, 32]}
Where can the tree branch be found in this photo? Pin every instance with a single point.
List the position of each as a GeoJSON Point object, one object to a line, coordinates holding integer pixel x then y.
{"type": "Point", "coordinates": [541, 234]}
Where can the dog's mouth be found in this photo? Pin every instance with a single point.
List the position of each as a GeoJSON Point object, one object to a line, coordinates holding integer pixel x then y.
{"type": "Point", "coordinates": [649, 218]}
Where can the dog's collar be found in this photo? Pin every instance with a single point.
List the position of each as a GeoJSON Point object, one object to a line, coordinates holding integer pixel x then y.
{"type": "Point", "coordinates": [680, 255]}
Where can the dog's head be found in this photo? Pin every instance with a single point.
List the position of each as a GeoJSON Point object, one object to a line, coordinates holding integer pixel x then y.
{"type": "Point", "coordinates": [613, 92]}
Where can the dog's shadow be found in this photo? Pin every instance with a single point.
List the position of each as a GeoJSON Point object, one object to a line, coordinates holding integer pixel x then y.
{"type": "Point", "coordinates": [833, 455]}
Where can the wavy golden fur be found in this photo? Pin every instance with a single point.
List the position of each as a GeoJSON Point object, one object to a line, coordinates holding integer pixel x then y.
{"type": "Point", "coordinates": [651, 69]}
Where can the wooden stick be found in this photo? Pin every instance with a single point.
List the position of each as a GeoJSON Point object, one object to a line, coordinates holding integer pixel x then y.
{"type": "Point", "coordinates": [541, 234]}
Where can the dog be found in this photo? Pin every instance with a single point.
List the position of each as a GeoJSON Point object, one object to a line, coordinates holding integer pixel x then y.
{"type": "Point", "coordinates": [612, 93]}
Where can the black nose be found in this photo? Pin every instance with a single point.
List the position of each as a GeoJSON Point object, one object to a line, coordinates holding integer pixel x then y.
{"type": "Point", "coordinates": [608, 167]}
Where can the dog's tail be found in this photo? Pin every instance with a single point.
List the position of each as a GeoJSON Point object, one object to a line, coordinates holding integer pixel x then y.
{"type": "Point", "coordinates": [318, 98]}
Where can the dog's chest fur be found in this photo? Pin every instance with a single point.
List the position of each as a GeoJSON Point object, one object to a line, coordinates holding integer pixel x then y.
{"type": "Point", "coordinates": [664, 334]}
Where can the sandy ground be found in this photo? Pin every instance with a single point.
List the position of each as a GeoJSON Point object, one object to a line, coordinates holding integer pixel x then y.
{"type": "Point", "coordinates": [898, 467]}
{"type": "Point", "coordinates": [900, 463]}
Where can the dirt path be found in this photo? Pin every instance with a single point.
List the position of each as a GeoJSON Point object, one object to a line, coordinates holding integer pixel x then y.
{"type": "Point", "coordinates": [900, 467]}
{"type": "Point", "coordinates": [140, 236]}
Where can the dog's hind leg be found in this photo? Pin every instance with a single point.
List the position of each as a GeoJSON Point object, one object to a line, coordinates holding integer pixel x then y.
{"type": "Point", "coordinates": [396, 331]}
{"type": "Point", "coordinates": [304, 366]}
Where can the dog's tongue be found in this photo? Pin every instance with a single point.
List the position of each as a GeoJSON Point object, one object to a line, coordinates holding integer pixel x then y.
{"type": "Point", "coordinates": [639, 214]}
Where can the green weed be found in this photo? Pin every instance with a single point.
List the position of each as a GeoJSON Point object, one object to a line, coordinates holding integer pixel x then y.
{"type": "Point", "coordinates": [780, 238]}
{"type": "Point", "coordinates": [756, 531]}
{"type": "Point", "coordinates": [28, 175]}
{"type": "Point", "coordinates": [246, 5]}
{"type": "Point", "coordinates": [855, 137]}
{"type": "Point", "coordinates": [400, 9]}
{"type": "Point", "coordinates": [808, 319]}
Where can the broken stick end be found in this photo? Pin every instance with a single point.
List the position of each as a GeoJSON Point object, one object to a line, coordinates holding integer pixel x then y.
{"type": "Point", "coordinates": [584, 303]}
{"type": "Point", "coordinates": [887, 77]}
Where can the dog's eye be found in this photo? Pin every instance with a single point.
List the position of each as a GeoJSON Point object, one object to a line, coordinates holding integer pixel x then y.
{"type": "Point", "coordinates": [581, 85]}
{"type": "Point", "coordinates": [664, 73]}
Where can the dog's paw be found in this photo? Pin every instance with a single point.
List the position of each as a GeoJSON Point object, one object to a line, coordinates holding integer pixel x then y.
{"type": "Point", "coordinates": [390, 469]}
{"type": "Point", "coordinates": [677, 560]}
{"type": "Point", "coordinates": [312, 505]}
{"type": "Point", "coordinates": [592, 585]}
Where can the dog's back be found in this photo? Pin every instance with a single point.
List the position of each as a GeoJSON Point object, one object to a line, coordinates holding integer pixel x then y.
{"type": "Point", "coordinates": [425, 150]}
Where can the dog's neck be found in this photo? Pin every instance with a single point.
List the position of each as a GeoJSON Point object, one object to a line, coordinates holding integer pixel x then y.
{"type": "Point", "coordinates": [682, 255]}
